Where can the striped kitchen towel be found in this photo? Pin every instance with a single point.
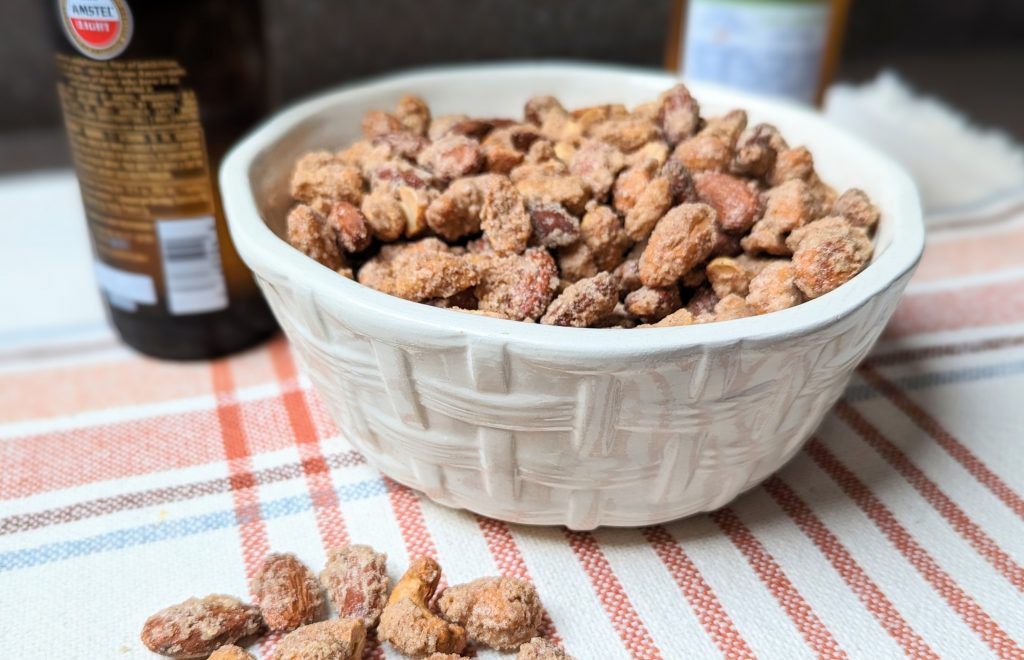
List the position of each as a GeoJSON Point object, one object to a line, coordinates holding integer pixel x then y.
{"type": "Point", "coordinates": [128, 484]}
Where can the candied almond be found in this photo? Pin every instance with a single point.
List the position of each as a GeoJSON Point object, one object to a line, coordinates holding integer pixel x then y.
{"type": "Point", "coordinates": [452, 157]}
{"type": "Point", "coordinates": [320, 179]}
{"type": "Point", "coordinates": [286, 592]}
{"type": "Point", "coordinates": [604, 234]}
{"type": "Point", "coordinates": [308, 232]}
{"type": "Point", "coordinates": [503, 216]}
{"type": "Point", "coordinates": [584, 302]}
{"type": "Point", "coordinates": [679, 114]}
{"type": "Point", "coordinates": [773, 288]}
{"type": "Point", "coordinates": [857, 208]}
{"type": "Point", "coordinates": [518, 287]}
{"type": "Point", "coordinates": [597, 163]}
{"type": "Point", "coordinates": [827, 253]}
{"type": "Point", "coordinates": [653, 203]}
{"type": "Point", "coordinates": [631, 183]}
{"type": "Point", "coordinates": [197, 627]}
{"type": "Point", "coordinates": [338, 639]}
{"type": "Point", "coordinates": [456, 212]}
{"type": "Point", "coordinates": [626, 133]}
{"type": "Point", "coordinates": [567, 190]}
{"type": "Point", "coordinates": [413, 113]}
{"type": "Point", "coordinates": [681, 240]}
{"type": "Point", "coordinates": [653, 304]}
{"type": "Point", "coordinates": [356, 580]}
{"type": "Point", "coordinates": [350, 227]}
{"type": "Point", "coordinates": [736, 206]}
{"type": "Point", "coordinates": [384, 214]}
{"type": "Point", "coordinates": [553, 226]}
{"type": "Point", "coordinates": [788, 206]}
{"type": "Point", "coordinates": [501, 612]}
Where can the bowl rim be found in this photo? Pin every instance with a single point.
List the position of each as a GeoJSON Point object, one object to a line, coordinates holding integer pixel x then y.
{"type": "Point", "coordinates": [260, 246]}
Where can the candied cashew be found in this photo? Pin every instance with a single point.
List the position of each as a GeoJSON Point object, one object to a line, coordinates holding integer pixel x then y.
{"type": "Point", "coordinates": [679, 317]}
{"type": "Point", "coordinates": [308, 232]}
{"type": "Point", "coordinates": [503, 217]}
{"type": "Point", "coordinates": [603, 233]}
{"type": "Point", "coordinates": [828, 253]}
{"type": "Point", "coordinates": [501, 612]}
{"type": "Point", "coordinates": [681, 240]}
{"type": "Point", "coordinates": [774, 288]}
{"type": "Point", "coordinates": [407, 622]}
{"type": "Point", "coordinates": [518, 287]}
{"type": "Point", "coordinates": [286, 592]}
{"type": "Point", "coordinates": [356, 580]}
{"type": "Point", "coordinates": [726, 276]}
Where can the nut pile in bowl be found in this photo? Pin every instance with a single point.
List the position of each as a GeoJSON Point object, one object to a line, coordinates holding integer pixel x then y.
{"type": "Point", "coordinates": [597, 217]}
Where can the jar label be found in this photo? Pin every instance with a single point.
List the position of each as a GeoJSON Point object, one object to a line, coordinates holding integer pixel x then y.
{"type": "Point", "coordinates": [100, 29]}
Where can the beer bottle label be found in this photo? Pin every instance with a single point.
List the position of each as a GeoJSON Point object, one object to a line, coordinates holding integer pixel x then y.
{"type": "Point", "coordinates": [140, 155]}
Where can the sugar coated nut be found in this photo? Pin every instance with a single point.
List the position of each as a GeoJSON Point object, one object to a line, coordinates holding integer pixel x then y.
{"type": "Point", "coordinates": [827, 253]}
{"type": "Point", "coordinates": [308, 231]}
{"type": "Point", "coordinates": [680, 241]}
{"type": "Point", "coordinates": [198, 626]}
{"type": "Point", "coordinates": [501, 612]}
{"type": "Point", "coordinates": [231, 652]}
{"type": "Point", "coordinates": [736, 206]}
{"type": "Point", "coordinates": [652, 304]}
{"type": "Point", "coordinates": [350, 227]}
{"type": "Point", "coordinates": [407, 622]}
{"type": "Point", "coordinates": [503, 217]}
{"type": "Point", "coordinates": [541, 649]}
{"type": "Point", "coordinates": [856, 207]}
{"type": "Point", "coordinates": [553, 226]}
{"type": "Point", "coordinates": [356, 581]}
{"type": "Point", "coordinates": [286, 592]}
{"type": "Point", "coordinates": [679, 114]}
{"type": "Point", "coordinates": [339, 639]}
{"type": "Point", "coordinates": [518, 287]}
{"type": "Point", "coordinates": [584, 303]}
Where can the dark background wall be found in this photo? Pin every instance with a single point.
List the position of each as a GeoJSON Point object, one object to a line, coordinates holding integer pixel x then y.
{"type": "Point", "coordinates": [970, 52]}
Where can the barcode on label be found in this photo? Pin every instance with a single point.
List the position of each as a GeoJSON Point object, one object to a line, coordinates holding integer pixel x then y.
{"type": "Point", "coordinates": [193, 276]}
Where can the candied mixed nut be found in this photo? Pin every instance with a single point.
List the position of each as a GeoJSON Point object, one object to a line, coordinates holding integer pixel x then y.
{"type": "Point", "coordinates": [501, 612]}
{"type": "Point", "coordinates": [596, 217]}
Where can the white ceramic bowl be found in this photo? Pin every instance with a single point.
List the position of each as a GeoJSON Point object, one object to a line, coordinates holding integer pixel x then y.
{"type": "Point", "coordinates": [550, 425]}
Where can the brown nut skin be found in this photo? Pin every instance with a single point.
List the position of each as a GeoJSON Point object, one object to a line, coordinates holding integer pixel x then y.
{"type": "Point", "coordinates": [356, 581]}
{"type": "Point", "coordinates": [737, 207]}
{"type": "Point", "coordinates": [337, 639]}
{"type": "Point", "coordinates": [827, 253]}
{"type": "Point", "coordinates": [231, 652]}
{"type": "Point", "coordinates": [287, 593]}
{"type": "Point", "coordinates": [553, 226]}
{"type": "Point", "coordinates": [681, 240]}
{"type": "Point", "coordinates": [407, 622]}
{"type": "Point", "coordinates": [198, 626]}
{"type": "Point", "coordinates": [773, 288]}
{"type": "Point", "coordinates": [501, 612]}
{"type": "Point", "coordinates": [307, 231]}
{"type": "Point", "coordinates": [584, 303]}
{"type": "Point", "coordinates": [541, 649]}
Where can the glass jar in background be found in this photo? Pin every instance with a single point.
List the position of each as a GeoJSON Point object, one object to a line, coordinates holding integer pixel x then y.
{"type": "Point", "coordinates": [786, 48]}
{"type": "Point", "coordinates": [153, 93]}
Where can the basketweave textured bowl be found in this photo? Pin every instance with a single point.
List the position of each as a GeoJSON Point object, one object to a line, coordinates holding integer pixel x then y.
{"type": "Point", "coordinates": [549, 425]}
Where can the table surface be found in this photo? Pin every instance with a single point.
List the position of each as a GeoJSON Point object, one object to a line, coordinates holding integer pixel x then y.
{"type": "Point", "coordinates": [129, 484]}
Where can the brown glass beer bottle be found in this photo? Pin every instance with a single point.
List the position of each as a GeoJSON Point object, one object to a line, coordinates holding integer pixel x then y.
{"type": "Point", "coordinates": [153, 93]}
